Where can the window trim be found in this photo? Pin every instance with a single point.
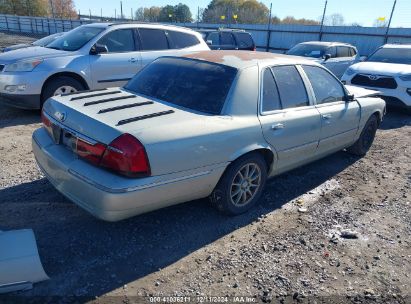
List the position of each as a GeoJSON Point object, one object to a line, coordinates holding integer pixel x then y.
{"type": "Point", "coordinates": [136, 49]}
{"type": "Point", "coordinates": [308, 89]}
{"type": "Point", "coordinates": [169, 40]}
{"type": "Point", "coordinates": [312, 89]}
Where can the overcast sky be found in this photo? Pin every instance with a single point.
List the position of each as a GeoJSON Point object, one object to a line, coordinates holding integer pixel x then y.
{"type": "Point", "coordinates": [364, 12]}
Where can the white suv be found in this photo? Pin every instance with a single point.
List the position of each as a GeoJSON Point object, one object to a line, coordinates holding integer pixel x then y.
{"type": "Point", "coordinates": [92, 56]}
{"type": "Point", "coordinates": [387, 70]}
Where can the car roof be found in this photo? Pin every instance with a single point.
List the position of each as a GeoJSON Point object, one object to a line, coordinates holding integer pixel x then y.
{"type": "Point", "coordinates": [243, 59]}
{"type": "Point", "coordinates": [137, 24]}
{"type": "Point", "coordinates": [326, 43]}
{"type": "Point", "coordinates": [397, 46]}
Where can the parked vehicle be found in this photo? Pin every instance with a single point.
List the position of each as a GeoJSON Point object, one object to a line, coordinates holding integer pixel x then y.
{"type": "Point", "coordinates": [387, 70]}
{"type": "Point", "coordinates": [41, 42]}
{"type": "Point", "coordinates": [91, 56]}
{"type": "Point", "coordinates": [228, 39]}
{"type": "Point", "coordinates": [335, 56]}
{"type": "Point", "coordinates": [211, 124]}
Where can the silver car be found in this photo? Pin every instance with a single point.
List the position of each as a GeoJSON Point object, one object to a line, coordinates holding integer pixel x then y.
{"type": "Point", "coordinates": [93, 56]}
{"type": "Point", "coordinates": [335, 56]}
{"type": "Point", "coordinates": [212, 124]}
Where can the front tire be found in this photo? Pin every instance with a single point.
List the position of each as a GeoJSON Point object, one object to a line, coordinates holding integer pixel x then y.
{"type": "Point", "coordinates": [363, 144]}
{"type": "Point", "coordinates": [241, 186]}
{"type": "Point", "coordinates": [61, 85]}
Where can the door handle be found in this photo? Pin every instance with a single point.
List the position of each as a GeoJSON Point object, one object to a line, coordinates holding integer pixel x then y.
{"type": "Point", "coordinates": [277, 126]}
{"type": "Point", "coordinates": [326, 116]}
{"type": "Point", "coordinates": [132, 60]}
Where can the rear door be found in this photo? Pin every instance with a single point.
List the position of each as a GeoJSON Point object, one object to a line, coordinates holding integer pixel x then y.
{"type": "Point", "coordinates": [339, 119]}
{"type": "Point", "coordinates": [290, 121]}
{"type": "Point", "coordinates": [120, 63]}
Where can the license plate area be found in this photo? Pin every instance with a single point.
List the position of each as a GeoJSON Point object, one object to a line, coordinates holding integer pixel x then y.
{"type": "Point", "coordinates": [69, 140]}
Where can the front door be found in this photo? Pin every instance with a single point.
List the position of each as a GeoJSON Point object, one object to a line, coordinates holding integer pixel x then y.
{"type": "Point", "coordinates": [339, 118]}
{"type": "Point", "coordinates": [290, 122]}
{"type": "Point", "coordinates": [121, 62]}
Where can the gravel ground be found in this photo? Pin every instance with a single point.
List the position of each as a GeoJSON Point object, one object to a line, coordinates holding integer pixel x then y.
{"type": "Point", "coordinates": [335, 231]}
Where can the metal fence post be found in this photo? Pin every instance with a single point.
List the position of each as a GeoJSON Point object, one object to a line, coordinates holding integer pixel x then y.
{"type": "Point", "coordinates": [322, 21]}
{"type": "Point", "coordinates": [389, 22]}
{"type": "Point", "coordinates": [7, 24]}
{"type": "Point", "coordinates": [267, 48]}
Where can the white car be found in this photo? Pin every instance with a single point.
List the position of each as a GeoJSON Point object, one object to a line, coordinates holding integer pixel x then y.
{"type": "Point", "coordinates": [335, 56]}
{"type": "Point", "coordinates": [212, 124]}
{"type": "Point", "coordinates": [387, 70]}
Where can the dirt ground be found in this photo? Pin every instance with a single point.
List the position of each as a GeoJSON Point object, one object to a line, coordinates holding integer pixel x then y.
{"type": "Point", "coordinates": [335, 231]}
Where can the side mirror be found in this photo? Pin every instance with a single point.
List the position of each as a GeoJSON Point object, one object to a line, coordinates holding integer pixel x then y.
{"type": "Point", "coordinates": [350, 97]}
{"type": "Point", "coordinates": [363, 58]}
{"type": "Point", "coordinates": [98, 49]}
{"type": "Point", "coordinates": [209, 42]}
{"type": "Point", "coordinates": [327, 56]}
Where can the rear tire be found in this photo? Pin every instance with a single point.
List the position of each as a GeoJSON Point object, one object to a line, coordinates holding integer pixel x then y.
{"type": "Point", "coordinates": [363, 144]}
{"type": "Point", "coordinates": [241, 185]}
{"type": "Point", "coordinates": [60, 85]}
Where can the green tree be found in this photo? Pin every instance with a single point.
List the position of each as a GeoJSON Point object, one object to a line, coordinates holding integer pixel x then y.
{"type": "Point", "coordinates": [167, 14]}
{"type": "Point", "coordinates": [148, 14]}
{"type": "Point", "coordinates": [24, 7]}
{"type": "Point", "coordinates": [177, 13]}
{"type": "Point", "coordinates": [182, 13]}
{"type": "Point", "coordinates": [246, 11]}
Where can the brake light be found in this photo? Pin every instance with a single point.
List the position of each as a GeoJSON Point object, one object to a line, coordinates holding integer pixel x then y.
{"type": "Point", "coordinates": [45, 120]}
{"type": "Point", "coordinates": [126, 155]}
{"type": "Point", "coordinates": [90, 152]}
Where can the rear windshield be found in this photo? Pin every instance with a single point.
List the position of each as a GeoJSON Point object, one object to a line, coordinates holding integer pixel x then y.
{"type": "Point", "coordinates": [193, 84]}
{"type": "Point", "coordinates": [392, 55]}
{"type": "Point", "coordinates": [308, 50]}
{"type": "Point", "coordinates": [75, 39]}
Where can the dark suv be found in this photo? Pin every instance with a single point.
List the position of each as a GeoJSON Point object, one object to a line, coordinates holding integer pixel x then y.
{"type": "Point", "coordinates": [228, 39]}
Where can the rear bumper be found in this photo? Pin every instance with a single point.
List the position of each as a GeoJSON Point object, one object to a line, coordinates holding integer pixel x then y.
{"type": "Point", "coordinates": [30, 102]}
{"type": "Point", "coordinates": [111, 197]}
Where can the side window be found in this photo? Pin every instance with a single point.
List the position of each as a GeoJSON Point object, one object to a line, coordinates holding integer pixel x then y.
{"type": "Point", "coordinates": [326, 87]}
{"type": "Point", "coordinates": [180, 40]}
{"type": "Point", "coordinates": [152, 39]}
{"type": "Point", "coordinates": [352, 52]}
{"type": "Point", "coordinates": [244, 40]}
{"type": "Point", "coordinates": [290, 86]}
{"type": "Point", "coordinates": [271, 99]}
{"type": "Point", "coordinates": [343, 51]}
{"type": "Point", "coordinates": [118, 41]}
{"type": "Point", "coordinates": [214, 37]}
{"type": "Point", "coordinates": [227, 39]}
{"type": "Point", "coordinates": [332, 51]}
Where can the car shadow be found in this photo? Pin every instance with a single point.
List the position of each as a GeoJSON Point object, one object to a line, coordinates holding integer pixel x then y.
{"type": "Point", "coordinates": [10, 117]}
{"type": "Point", "coordinates": [87, 257]}
{"type": "Point", "coordinates": [395, 119]}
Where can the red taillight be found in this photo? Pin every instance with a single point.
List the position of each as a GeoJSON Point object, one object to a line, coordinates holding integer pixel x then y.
{"type": "Point", "coordinates": [126, 155]}
{"type": "Point", "coordinates": [90, 152]}
{"type": "Point", "coordinates": [45, 120]}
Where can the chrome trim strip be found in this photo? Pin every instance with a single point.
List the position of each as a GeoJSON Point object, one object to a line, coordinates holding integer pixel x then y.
{"type": "Point", "coordinates": [143, 187]}
{"type": "Point", "coordinates": [69, 130]}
